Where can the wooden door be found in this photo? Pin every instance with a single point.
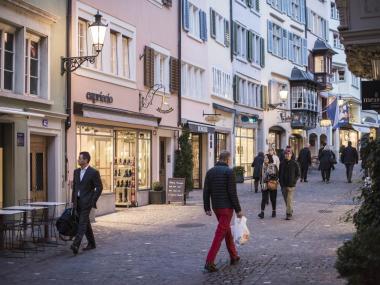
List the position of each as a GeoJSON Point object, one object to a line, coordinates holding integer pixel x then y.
{"type": "Point", "coordinates": [163, 162]}
{"type": "Point", "coordinates": [38, 165]}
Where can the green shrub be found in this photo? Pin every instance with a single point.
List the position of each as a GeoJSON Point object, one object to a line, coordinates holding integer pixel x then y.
{"type": "Point", "coordinates": [183, 167]}
{"type": "Point", "coordinates": [238, 170]}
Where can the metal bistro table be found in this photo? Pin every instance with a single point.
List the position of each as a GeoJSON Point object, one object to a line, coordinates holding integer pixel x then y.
{"type": "Point", "coordinates": [46, 211]}
{"type": "Point", "coordinates": [4, 213]}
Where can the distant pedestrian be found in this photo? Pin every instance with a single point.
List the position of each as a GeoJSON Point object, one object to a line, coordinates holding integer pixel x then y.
{"type": "Point", "coordinates": [321, 148]}
{"type": "Point", "coordinates": [304, 160]}
{"type": "Point", "coordinates": [257, 165]}
{"type": "Point", "coordinates": [220, 186]}
{"type": "Point", "coordinates": [327, 160]}
{"type": "Point", "coordinates": [350, 158]}
{"type": "Point", "coordinates": [269, 182]}
{"type": "Point", "coordinates": [289, 174]}
{"type": "Point", "coordinates": [341, 150]}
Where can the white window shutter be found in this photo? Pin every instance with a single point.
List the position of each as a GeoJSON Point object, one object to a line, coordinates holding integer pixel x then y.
{"type": "Point", "coordinates": [270, 36]}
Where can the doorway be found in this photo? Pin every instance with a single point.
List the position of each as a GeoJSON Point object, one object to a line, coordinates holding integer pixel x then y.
{"type": "Point", "coordinates": [38, 168]}
{"type": "Point", "coordinates": [296, 143]}
{"type": "Point", "coordinates": [163, 162]}
{"type": "Point", "coordinates": [196, 142]}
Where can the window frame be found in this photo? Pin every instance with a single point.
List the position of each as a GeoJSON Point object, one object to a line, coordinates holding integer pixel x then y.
{"type": "Point", "coordinates": [4, 29]}
{"type": "Point", "coordinates": [29, 39]}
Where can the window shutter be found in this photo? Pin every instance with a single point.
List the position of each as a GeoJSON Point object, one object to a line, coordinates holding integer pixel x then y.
{"type": "Point", "coordinates": [284, 43]}
{"type": "Point", "coordinates": [203, 25]}
{"type": "Point", "coordinates": [212, 24]}
{"type": "Point", "coordinates": [249, 3]}
{"type": "Point", "coordinates": [270, 36]}
{"type": "Point", "coordinates": [258, 5]}
{"type": "Point", "coordinates": [227, 38]}
{"type": "Point", "coordinates": [148, 66]}
{"type": "Point", "coordinates": [290, 47]}
{"type": "Point", "coordinates": [174, 75]}
{"type": "Point", "coordinates": [236, 89]}
{"type": "Point", "coordinates": [304, 52]}
{"type": "Point", "coordinates": [309, 19]}
{"type": "Point", "coordinates": [249, 46]}
{"type": "Point", "coordinates": [264, 97]}
{"type": "Point", "coordinates": [262, 52]}
{"type": "Point", "coordinates": [326, 30]}
{"type": "Point", "coordinates": [311, 62]}
{"type": "Point", "coordinates": [234, 38]}
{"type": "Point", "coordinates": [289, 7]}
{"type": "Point", "coordinates": [284, 6]}
{"type": "Point", "coordinates": [185, 15]}
{"type": "Point", "coordinates": [302, 12]}
{"type": "Point", "coordinates": [167, 3]}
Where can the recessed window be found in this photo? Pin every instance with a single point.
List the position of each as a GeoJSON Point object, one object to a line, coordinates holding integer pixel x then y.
{"type": "Point", "coordinates": [113, 38]}
{"type": "Point", "coordinates": [126, 64]}
{"type": "Point", "coordinates": [32, 60]}
{"type": "Point", "coordinates": [9, 57]}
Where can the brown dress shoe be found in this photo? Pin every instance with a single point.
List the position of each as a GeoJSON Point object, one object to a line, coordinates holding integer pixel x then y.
{"type": "Point", "coordinates": [235, 260]}
{"type": "Point", "coordinates": [74, 249]}
{"type": "Point", "coordinates": [211, 267]}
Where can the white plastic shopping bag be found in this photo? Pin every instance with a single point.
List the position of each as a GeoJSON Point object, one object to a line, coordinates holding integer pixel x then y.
{"type": "Point", "coordinates": [240, 231]}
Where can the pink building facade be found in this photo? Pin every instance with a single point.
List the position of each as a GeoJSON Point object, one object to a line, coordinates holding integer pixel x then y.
{"type": "Point", "coordinates": [129, 133]}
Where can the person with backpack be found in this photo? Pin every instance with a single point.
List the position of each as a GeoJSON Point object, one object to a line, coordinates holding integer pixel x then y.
{"type": "Point", "coordinates": [269, 182]}
{"type": "Point", "coordinates": [327, 160]}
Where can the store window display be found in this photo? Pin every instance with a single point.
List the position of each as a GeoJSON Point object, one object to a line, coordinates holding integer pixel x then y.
{"type": "Point", "coordinates": [245, 149]}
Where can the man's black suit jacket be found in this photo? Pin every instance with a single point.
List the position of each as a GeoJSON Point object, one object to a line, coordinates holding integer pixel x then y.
{"type": "Point", "coordinates": [89, 188]}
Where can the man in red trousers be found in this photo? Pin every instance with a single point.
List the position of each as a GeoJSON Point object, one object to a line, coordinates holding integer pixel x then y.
{"type": "Point", "coordinates": [220, 186]}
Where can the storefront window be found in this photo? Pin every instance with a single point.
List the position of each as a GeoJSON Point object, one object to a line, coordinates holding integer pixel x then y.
{"type": "Point", "coordinates": [99, 143]}
{"type": "Point", "coordinates": [220, 144]}
{"type": "Point", "coordinates": [125, 168]}
{"type": "Point", "coordinates": [348, 135]}
{"type": "Point", "coordinates": [144, 161]}
{"type": "Point", "coordinates": [245, 152]}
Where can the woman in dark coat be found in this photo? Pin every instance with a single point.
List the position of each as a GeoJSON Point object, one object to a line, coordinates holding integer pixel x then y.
{"type": "Point", "coordinates": [326, 163]}
{"type": "Point", "coordinates": [257, 165]}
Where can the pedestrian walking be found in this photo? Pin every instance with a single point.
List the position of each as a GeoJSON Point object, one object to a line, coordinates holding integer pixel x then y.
{"type": "Point", "coordinates": [257, 165]}
{"type": "Point", "coordinates": [269, 182]}
{"type": "Point", "coordinates": [327, 160]}
{"type": "Point", "coordinates": [220, 186]}
{"type": "Point", "coordinates": [350, 158]}
{"type": "Point", "coordinates": [288, 174]}
{"type": "Point", "coordinates": [304, 160]}
{"type": "Point", "coordinates": [87, 187]}
{"type": "Point", "coordinates": [288, 148]}
{"type": "Point", "coordinates": [276, 159]}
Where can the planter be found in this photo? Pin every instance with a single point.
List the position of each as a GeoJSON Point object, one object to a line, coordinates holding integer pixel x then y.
{"type": "Point", "coordinates": [157, 197]}
{"type": "Point", "coordinates": [239, 179]}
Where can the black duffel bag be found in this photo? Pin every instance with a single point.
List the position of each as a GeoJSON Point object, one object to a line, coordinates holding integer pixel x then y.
{"type": "Point", "coordinates": [67, 224]}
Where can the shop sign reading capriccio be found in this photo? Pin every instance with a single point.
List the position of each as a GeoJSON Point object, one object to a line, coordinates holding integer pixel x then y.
{"type": "Point", "coordinates": [95, 97]}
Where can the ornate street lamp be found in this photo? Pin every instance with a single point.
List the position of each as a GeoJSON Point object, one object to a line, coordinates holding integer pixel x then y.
{"type": "Point", "coordinates": [283, 94]}
{"type": "Point", "coordinates": [98, 33]}
{"type": "Point", "coordinates": [325, 123]}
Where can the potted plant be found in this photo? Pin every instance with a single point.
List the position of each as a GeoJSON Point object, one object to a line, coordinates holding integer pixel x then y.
{"type": "Point", "coordinates": [157, 194]}
{"type": "Point", "coordinates": [239, 173]}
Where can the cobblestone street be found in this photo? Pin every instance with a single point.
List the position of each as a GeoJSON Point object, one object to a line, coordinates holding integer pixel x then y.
{"type": "Point", "coordinates": [165, 244]}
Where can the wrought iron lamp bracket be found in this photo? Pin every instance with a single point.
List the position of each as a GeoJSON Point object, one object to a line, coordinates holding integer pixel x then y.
{"type": "Point", "coordinates": [70, 64]}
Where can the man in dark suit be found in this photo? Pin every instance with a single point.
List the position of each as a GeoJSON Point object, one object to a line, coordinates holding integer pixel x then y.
{"type": "Point", "coordinates": [349, 157]}
{"type": "Point", "coordinates": [87, 187]}
{"type": "Point", "coordinates": [304, 160]}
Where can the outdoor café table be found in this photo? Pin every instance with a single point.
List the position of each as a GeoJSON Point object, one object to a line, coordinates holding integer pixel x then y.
{"type": "Point", "coordinates": [46, 211]}
{"type": "Point", "coordinates": [26, 209]}
{"type": "Point", "coordinates": [4, 213]}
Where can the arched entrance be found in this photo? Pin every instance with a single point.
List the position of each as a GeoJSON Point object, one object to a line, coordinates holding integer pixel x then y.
{"type": "Point", "coordinates": [296, 143]}
{"type": "Point", "coordinates": [313, 141]}
{"type": "Point", "coordinates": [322, 140]}
{"type": "Point", "coordinates": [275, 137]}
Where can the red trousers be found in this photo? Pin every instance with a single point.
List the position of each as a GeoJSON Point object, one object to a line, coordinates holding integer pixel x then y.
{"type": "Point", "coordinates": [223, 231]}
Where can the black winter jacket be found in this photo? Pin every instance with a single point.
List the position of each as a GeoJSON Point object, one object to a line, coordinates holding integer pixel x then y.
{"type": "Point", "coordinates": [220, 185]}
{"type": "Point", "coordinates": [350, 155]}
{"type": "Point", "coordinates": [304, 157]}
{"type": "Point", "coordinates": [289, 173]}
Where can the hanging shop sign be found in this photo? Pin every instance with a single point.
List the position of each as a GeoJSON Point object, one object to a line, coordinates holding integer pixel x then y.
{"type": "Point", "coordinates": [370, 95]}
{"type": "Point", "coordinates": [176, 190]}
{"type": "Point", "coordinates": [95, 97]}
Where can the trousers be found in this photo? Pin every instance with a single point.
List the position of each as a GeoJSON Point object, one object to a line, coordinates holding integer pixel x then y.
{"type": "Point", "coordinates": [84, 226]}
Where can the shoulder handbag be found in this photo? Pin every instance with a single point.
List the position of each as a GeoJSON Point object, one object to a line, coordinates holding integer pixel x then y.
{"type": "Point", "coordinates": [272, 184]}
{"type": "Point", "coordinates": [332, 158]}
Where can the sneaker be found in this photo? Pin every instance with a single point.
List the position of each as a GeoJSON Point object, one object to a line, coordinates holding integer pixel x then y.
{"type": "Point", "coordinates": [235, 260]}
{"type": "Point", "coordinates": [261, 215]}
{"type": "Point", "coordinates": [211, 267]}
{"type": "Point", "coordinates": [273, 214]}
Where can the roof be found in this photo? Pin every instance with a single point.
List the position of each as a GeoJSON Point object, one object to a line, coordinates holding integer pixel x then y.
{"type": "Point", "coordinates": [321, 45]}
{"type": "Point", "coordinates": [300, 75]}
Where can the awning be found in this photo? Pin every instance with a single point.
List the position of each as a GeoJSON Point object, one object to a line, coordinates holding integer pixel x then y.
{"type": "Point", "coordinates": [196, 127]}
{"type": "Point", "coordinates": [116, 115]}
{"type": "Point", "coordinates": [223, 108]}
{"type": "Point", "coordinates": [362, 129]}
{"type": "Point", "coordinates": [21, 112]}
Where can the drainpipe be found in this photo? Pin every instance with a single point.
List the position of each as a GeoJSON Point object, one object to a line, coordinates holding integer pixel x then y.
{"type": "Point", "coordinates": [68, 80]}
{"type": "Point", "coordinates": [231, 33]}
{"type": "Point", "coordinates": [179, 64]}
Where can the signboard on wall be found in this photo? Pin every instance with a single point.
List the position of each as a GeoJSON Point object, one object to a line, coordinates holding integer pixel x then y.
{"type": "Point", "coordinates": [176, 190]}
{"type": "Point", "coordinates": [20, 139]}
{"type": "Point", "coordinates": [370, 95]}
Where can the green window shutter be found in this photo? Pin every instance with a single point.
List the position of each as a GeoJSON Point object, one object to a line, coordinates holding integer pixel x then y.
{"type": "Point", "coordinates": [262, 52]}
{"type": "Point", "coordinates": [258, 5]}
{"type": "Point", "coordinates": [212, 23]}
{"type": "Point", "coordinates": [227, 38]}
{"type": "Point", "coordinates": [234, 38]}
{"type": "Point", "coordinates": [249, 46]}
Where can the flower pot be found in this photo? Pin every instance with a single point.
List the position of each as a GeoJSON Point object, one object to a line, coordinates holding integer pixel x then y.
{"type": "Point", "coordinates": [157, 197]}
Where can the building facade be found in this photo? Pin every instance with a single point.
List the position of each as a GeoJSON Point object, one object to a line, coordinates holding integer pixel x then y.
{"type": "Point", "coordinates": [124, 106]}
{"type": "Point", "coordinates": [32, 101]}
